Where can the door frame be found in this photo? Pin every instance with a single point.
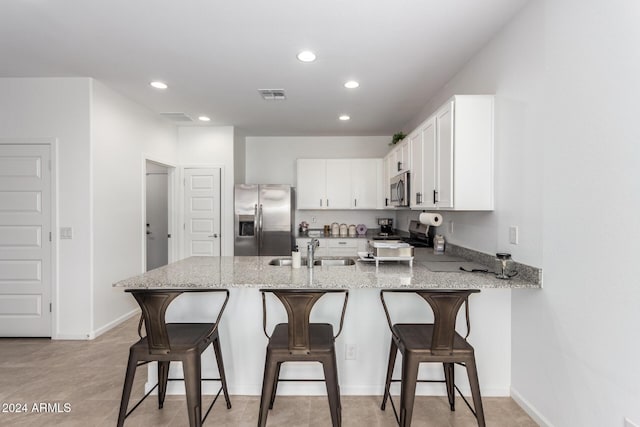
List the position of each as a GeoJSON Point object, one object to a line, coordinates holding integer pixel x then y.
{"type": "Point", "coordinates": [53, 274]}
{"type": "Point", "coordinates": [172, 251]}
{"type": "Point", "coordinates": [223, 206]}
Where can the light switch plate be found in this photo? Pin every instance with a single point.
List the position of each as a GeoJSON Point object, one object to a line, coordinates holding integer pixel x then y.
{"type": "Point", "coordinates": [66, 233]}
{"type": "Point", "coordinates": [513, 235]}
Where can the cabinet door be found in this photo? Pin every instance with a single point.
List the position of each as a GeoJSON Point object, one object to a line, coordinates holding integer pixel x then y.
{"type": "Point", "coordinates": [312, 178]}
{"type": "Point", "coordinates": [387, 164]}
{"type": "Point", "coordinates": [364, 183]}
{"type": "Point", "coordinates": [338, 178]}
{"type": "Point", "coordinates": [444, 156]}
{"type": "Point", "coordinates": [405, 155]}
{"type": "Point", "coordinates": [428, 132]}
{"type": "Point", "coordinates": [416, 198]}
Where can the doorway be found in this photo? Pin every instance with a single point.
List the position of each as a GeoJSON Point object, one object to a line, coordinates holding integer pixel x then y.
{"type": "Point", "coordinates": [157, 199]}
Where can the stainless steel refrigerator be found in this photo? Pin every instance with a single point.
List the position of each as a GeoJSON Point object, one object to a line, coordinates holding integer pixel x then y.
{"type": "Point", "coordinates": [263, 219]}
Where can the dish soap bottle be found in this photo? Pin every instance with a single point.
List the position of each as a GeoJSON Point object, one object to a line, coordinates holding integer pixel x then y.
{"type": "Point", "coordinates": [295, 258]}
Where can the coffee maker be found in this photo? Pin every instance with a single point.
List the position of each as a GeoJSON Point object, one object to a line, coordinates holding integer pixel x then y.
{"type": "Point", "coordinates": [386, 226]}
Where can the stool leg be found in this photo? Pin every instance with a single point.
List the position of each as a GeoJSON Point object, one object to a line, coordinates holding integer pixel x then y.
{"type": "Point", "coordinates": [333, 388]}
{"type": "Point", "coordinates": [132, 364]}
{"type": "Point", "coordinates": [223, 377]}
{"type": "Point", "coordinates": [408, 390]}
{"type": "Point", "coordinates": [270, 367]}
{"type": "Point", "coordinates": [163, 377]}
{"type": "Point", "coordinates": [450, 380]}
{"type": "Point", "coordinates": [275, 386]}
{"type": "Point", "coordinates": [193, 388]}
{"type": "Point", "coordinates": [472, 372]}
{"type": "Point", "coordinates": [392, 361]}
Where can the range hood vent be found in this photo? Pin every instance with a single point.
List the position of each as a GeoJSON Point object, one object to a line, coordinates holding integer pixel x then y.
{"type": "Point", "coordinates": [272, 94]}
{"type": "Point", "coordinates": [177, 117]}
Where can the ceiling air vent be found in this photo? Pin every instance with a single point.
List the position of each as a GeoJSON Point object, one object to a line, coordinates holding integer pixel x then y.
{"type": "Point", "coordinates": [177, 117]}
{"type": "Point", "coordinates": [272, 94]}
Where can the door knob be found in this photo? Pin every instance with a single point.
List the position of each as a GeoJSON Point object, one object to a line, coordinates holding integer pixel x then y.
{"type": "Point", "coordinates": [214, 235]}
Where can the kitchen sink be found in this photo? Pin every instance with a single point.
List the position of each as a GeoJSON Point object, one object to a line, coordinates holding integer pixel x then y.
{"type": "Point", "coordinates": [333, 262]}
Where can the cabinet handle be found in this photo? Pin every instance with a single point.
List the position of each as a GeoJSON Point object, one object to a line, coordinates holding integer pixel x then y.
{"type": "Point", "coordinates": [386, 201]}
{"type": "Point", "coordinates": [320, 202]}
{"type": "Point", "coordinates": [399, 166]}
{"type": "Point", "coordinates": [355, 203]}
{"type": "Point", "coordinates": [418, 198]}
{"type": "Point", "coordinates": [327, 202]}
{"type": "Point", "coordinates": [435, 198]}
{"type": "Point", "coordinates": [342, 243]}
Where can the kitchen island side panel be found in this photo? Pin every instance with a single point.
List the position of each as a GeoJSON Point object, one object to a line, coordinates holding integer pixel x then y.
{"type": "Point", "coordinates": [244, 344]}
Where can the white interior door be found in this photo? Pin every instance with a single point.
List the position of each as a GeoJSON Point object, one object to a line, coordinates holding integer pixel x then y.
{"type": "Point", "coordinates": [202, 212]}
{"type": "Point", "coordinates": [25, 240]}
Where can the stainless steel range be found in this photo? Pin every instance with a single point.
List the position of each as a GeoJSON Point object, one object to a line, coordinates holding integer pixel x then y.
{"type": "Point", "coordinates": [420, 235]}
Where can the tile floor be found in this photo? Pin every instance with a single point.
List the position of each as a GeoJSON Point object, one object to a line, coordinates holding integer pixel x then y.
{"type": "Point", "coordinates": [88, 376]}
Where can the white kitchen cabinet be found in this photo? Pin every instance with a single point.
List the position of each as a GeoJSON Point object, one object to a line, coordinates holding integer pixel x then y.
{"type": "Point", "coordinates": [366, 183]}
{"type": "Point", "coordinates": [312, 184]}
{"type": "Point", "coordinates": [416, 196]}
{"type": "Point", "coordinates": [457, 156]}
{"type": "Point", "coordinates": [339, 184]}
{"type": "Point", "coordinates": [400, 158]}
{"type": "Point", "coordinates": [387, 163]}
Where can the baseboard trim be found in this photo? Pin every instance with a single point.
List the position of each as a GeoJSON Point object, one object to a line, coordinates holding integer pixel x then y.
{"type": "Point", "coordinates": [95, 334]}
{"type": "Point", "coordinates": [530, 409]}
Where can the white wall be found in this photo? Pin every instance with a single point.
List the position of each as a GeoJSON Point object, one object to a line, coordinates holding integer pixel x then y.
{"type": "Point", "coordinates": [565, 74]}
{"type": "Point", "coordinates": [272, 160]}
{"type": "Point", "coordinates": [59, 108]}
{"type": "Point", "coordinates": [123, 133]}
{"type": "Point", "coordinates": [212, 146]}
{"type": "Point", "coordinates": [239, 155]}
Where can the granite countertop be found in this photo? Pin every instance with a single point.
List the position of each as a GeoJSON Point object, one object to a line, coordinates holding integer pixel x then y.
{"type": "Point", "coordinates": [229, 271]}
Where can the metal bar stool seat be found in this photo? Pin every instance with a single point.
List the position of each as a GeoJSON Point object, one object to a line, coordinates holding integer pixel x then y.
{"type": "Point", "coordinates": [432, 342]}
{"type": "Point", "coordinates": [298, 340]}
{"type": "Point", "coordinates": [173, 342]}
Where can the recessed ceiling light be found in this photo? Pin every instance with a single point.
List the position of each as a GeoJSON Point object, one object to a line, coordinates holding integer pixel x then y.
{"type": "Point", "coordinates": [351, 84]}
{"type": "Point", "coordinates": [307, 56]}
{"type": "Point", "coordinates": [204, 119]}
{"type": "Point", "coordinates": [344, 117]}
{"type": "Point", "coordinates": [159, 85]}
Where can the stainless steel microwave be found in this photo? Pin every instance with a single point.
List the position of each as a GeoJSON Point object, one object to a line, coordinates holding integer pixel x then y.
{"type": "Point", "coordinates": [399, 192]}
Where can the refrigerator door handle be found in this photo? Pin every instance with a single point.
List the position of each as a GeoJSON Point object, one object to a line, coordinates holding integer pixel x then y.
{"type": "Point", "coordinates": [255, 222]}
{"type": "Point", "coordinates": [260, 224]}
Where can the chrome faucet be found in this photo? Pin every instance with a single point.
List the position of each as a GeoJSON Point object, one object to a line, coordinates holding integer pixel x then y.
{"type": "Point", "coordinates": [311, 248]}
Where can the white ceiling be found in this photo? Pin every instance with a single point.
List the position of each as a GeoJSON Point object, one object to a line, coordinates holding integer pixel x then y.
{"type": "Point", "coordinates": [216, 54]}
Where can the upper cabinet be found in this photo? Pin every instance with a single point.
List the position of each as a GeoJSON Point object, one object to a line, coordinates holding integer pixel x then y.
{"type": "Point", "coordinates": [399, 158]}
{"type": "Point", "coordinates": [452, 164]}
{"type": "Point", "coordinates": [339, 184]}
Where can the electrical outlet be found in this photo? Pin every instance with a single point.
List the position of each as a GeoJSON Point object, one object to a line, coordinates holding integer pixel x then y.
{"type": "Point", "coordinates": [513, 235]}
{"type": "Point", "coordinates": [313, 219]}
{"type": "Point", "coordinates": [66, 233]}
{"type": "Point", "coordinates": [629, 423]}
{"type": "Point", "coordinates": [350, 352]}
{"type": "Point", "coordinates": [450, 227]}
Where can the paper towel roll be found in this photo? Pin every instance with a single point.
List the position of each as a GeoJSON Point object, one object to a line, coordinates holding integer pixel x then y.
{"type": "Point", "coordinates": [432, 219]}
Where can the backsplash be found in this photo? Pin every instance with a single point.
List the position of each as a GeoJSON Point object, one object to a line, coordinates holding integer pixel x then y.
{"type": "Point", "coordinates": [326, 217]}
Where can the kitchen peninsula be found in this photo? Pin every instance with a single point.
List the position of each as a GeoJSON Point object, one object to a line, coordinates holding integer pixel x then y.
{"type": "Point", "coordinates": [365, 333]}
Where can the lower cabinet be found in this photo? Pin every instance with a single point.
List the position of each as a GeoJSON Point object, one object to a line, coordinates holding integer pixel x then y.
{"type": "Point", "coordinates": [347, 247]}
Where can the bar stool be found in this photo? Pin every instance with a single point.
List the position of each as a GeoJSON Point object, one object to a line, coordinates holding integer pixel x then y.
{"type": "Point", "coordinates": [432, 342]}
{"type": "Point", "coordinates": [167, 342]}
{"type": "Point", "coordinates": [300, 341]}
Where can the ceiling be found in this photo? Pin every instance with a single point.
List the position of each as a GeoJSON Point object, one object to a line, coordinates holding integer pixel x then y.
{"type": "Point", "coordinates": [215, 55]}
